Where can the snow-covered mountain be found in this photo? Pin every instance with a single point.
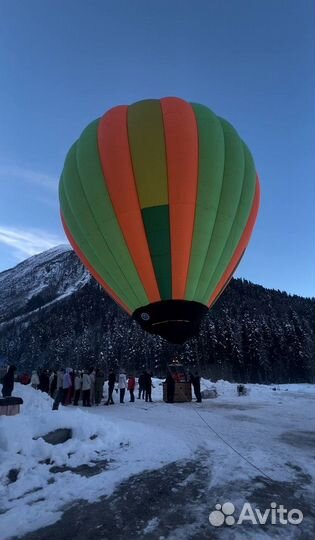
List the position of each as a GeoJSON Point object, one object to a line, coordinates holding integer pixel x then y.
{"type": "Point", "coordinates": [39, 280]}
{"type": "Point", "coordinates": [53, 312]}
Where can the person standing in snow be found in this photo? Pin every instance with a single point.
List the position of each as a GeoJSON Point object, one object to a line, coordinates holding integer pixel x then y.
{"type": "Point", "coordinates": [67, 386]}
{"type": "Point", "coordinates": [141, 383]}
{"type": "Point", "coordinates": [34, 380]}
{"type": "Point", "coordinates": [8, 382]}
{"type": "Point", "coordinates": [86, 389]}
{"type": "Point", "coordinates": [71, 395]}
{"type": "Point", "coordinates": [99, 383]}
{"type": "Point", "coordinates": [60, 374]}
{"type": "Point", "coordinates": [59, 393]}
{"type": "Point", "coordinates": [131, 387]}
{"type": "Point", "coordinates": [52, 383]}
{"type": "Point", "coordinates": [77, 387]}
{"type": "Point", "coordinates": [92, 391]}
{"type": "Point", "coordinates": [122, 383]}
{"type": "Point", "coordinates": [44, 381]}
{"type": "Point", "coordinates": [111, 386]}
{"type": "Point", "coordinates": [195, 381]}
{"type": "Point", "coordinates": [148, 386]}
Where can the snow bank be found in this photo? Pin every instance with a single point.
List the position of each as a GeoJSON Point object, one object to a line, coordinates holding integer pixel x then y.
{"type": "Point", "coordinates": [116, 448]}
{"type": "Point", "coordinates": [126, 439]}
{"type": "Point", "coordinates": [257, 391]}
{"type": "Point", "coordinates": [23, 450]}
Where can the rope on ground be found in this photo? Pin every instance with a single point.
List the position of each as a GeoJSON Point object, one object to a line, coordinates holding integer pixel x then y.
{"type": "Point", "coordinates": [232, 447]}
{"type": "Point", "coordinates": [229, 445]}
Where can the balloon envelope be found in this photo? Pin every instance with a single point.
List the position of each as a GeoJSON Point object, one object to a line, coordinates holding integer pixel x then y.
{"type": "Point", "coordinates": [159, 200]}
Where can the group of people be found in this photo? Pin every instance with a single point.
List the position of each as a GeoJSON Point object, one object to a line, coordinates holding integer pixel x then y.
{"type": "Point", "coordinates": [122, 383]}
{"type": "Point", "coordinates": [68, 386]}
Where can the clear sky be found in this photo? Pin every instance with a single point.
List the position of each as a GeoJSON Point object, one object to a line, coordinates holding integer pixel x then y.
{"type": "Point", "coordinates": [63, 63]}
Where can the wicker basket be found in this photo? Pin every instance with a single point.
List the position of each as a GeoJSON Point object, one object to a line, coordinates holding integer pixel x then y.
{"type": "Point", "coordinates": [182, 392]}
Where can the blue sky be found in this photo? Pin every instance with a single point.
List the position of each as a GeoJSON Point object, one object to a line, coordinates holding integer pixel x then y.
{"type": "Point", "coordinates": [63, 63]}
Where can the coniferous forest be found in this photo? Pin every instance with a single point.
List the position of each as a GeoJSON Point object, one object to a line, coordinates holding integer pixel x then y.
{"type": "Point", "coordinates": [252, 334]}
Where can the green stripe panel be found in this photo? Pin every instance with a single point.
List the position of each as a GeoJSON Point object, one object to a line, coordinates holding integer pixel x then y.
{"type": "Point", "coordinates": [210, 177]}
{"type": "Point", "coordinates": [97, 196]}
{"type": "Point", "coordinates": [157, 226]}
{"type": "Point", "coordinates": [233, 176]}
{"type": "Point", "coordinates": [240, 221]}
{"type": "Point", "coordinates": [86, 231]}
{"type": "Point", "coordinates": [147, 148]}
{"type": "Point", "coordinates": [82, 240]}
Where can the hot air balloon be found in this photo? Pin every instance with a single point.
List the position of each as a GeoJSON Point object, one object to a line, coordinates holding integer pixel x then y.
{"type": "Point", "coordinates": [159, 200]}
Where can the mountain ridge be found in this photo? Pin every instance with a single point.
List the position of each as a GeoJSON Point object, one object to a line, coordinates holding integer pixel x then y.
{"type": "Point", "coordinates": [52, 312]}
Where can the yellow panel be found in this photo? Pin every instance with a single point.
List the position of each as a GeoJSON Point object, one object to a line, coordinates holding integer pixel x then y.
{"type": "Point", "coordinates": [147, 147]}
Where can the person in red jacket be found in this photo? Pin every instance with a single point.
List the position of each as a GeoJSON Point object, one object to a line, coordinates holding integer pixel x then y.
{"type": "Point", "coordinates": [131, 387]}
{"type": "Point", "coordinates": [25, 378]}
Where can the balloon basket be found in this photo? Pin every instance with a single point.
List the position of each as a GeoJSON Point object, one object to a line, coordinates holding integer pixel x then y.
{"type": "Point", "coordinates": [182, 392]}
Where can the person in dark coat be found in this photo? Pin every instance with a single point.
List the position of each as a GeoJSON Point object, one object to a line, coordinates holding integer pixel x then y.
{"type": "Point", "coordinates": [8, 382]}
{"type": "Point", "coordinates": [195, 381]}
{"type": "Point", "coordinates": [141, 383]}
{"type": "Point", "coordinates": [148, 386]}
{"type": "Point", "coordinates": [52, 383]}
{"type": "Point", "coordinates": [111, 386]}
{"type": "Point", "coordinates": [170, 388]}
{"type": "Point", "coordinates": [44, 381]}
{"type": "Point", "coordinates": [71, 397]}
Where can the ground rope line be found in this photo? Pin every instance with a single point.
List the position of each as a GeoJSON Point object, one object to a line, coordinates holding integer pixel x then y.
{"type": "Point", "coordinates": [227, 443]}
{"type": "Point", "coordinates": [232, 447]}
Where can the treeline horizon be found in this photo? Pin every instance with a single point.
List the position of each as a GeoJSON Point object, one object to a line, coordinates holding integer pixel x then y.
{"type": "Point", "coordinates": [252, 334]}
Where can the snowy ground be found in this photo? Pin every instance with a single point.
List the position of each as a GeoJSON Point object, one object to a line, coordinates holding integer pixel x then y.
{"type": "Point", "coordinates": [156, 471]}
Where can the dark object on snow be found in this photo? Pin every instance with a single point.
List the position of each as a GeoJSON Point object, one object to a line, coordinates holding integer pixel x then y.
{"type": "Point", "coordinates": [8, 382]}
{"type": "Point", "coordinates": [242, 390]}
{"type": "Point", "coordinates": [12, 475]}
{"type": "Point", "coordinates": [84, 470]}
{"type": "Point", "coordinates": [9, 406]}
{"type": "Point", "coordinates": [58, 436]}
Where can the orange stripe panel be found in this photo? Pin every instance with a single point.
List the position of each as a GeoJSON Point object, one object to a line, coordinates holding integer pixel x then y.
{"type": "Point", "coordinates": [116, 163]}
{"type": "Point", "coordinates": [86, 263]}
{"type": "Point", "coordinates": [181, 138]}
{"type": "Point", "coordinates": [240, 248]}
